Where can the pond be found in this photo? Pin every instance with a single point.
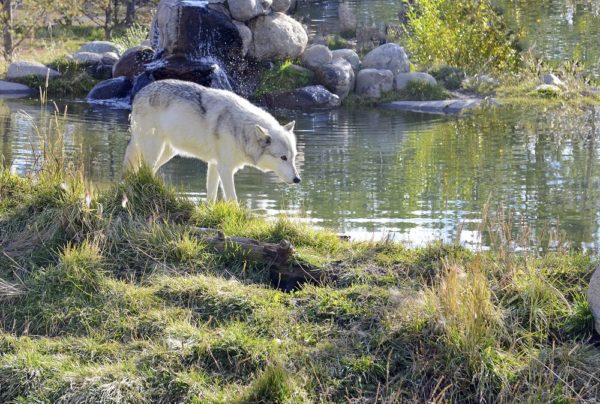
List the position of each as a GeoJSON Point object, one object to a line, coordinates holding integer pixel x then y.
{"type": "Point", "coordinates": [375, 173]}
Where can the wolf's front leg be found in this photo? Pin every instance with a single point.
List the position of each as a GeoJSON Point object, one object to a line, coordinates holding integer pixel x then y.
{"type": "Point", "coordinates": [212, 183]}
{"type": "Point", "coordinates": [226, 174]}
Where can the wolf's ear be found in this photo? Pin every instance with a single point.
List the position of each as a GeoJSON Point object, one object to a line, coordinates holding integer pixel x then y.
{"type": "Point", "coordinates": [262, 135]}
{"type": "Point", "coordinates": [290, 126]}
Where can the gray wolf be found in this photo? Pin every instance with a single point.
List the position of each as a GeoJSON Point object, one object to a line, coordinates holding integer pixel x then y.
{"type": "Point", "coordinates": [172, 117]}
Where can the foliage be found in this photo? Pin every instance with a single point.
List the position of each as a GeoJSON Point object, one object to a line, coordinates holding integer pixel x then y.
{"type": "Point", "coordinates": [133, 36]}
{"type": "Point", "coordinates": [463, 33]}
{"type": "Point", "coordinates": [282, 77]}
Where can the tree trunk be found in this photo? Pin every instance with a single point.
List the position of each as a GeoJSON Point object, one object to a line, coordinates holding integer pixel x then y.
{"type": "Point", "coordinates": [130, 13]}
{"type": "Point", "coordinates": [7, 15]}
{"type": "Point", "coordinates": [108, 27]}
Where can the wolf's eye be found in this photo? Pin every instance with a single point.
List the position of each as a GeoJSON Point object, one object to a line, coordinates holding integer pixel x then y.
{"type": "Point", "coordinates": [284, 158]}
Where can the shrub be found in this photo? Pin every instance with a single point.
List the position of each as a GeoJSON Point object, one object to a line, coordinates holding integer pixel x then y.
{"type": "Point", "coordinates": [462, 33]}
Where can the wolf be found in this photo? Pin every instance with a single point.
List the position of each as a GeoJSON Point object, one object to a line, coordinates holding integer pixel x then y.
{"type": "Point", "coordinates": [173, 117]}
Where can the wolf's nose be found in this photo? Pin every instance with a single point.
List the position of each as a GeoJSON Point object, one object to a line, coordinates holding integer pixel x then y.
{"type": "Point", "coordinates": [297, 180]}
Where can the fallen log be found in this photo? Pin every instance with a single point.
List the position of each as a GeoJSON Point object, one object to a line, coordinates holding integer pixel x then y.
{"type": "Point", "coordinates": [286, 273]}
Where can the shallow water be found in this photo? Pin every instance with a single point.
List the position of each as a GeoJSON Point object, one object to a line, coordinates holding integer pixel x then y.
{"type": "Point", "coordinates": [557, 29]}
{"type": "Point", "coordinates": [377, 173]}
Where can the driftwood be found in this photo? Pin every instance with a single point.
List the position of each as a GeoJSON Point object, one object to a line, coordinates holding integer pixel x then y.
{"type": "Point", "coordinates": [285, 272]}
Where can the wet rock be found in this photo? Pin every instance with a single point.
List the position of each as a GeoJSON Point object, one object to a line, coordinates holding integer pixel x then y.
{"type": "Point", "coordinates": [593, 297]}
{"type": "Point", "coordinates": [315, 56]}
{"type": "Point", "coordinates": [246, 36]}
{"type": "Point", "coordinates": [195, 43]}
{"type": "Point", "coordinates": [374, 82]}
{"type": "Point", "coordinates": [349, 55]}
{"type": "Point", "coordinates": [132, 62]}
{"type": "Point", "coordinates": [100, 47]}
{"type": "Point", "coordinates": [305, 98]}
{"type": "Point", "coordinates": [337, 77]}
{"type": "Point", "coordinates": [15, 89]}
{"type": "Point", "coordinates": [389, 56]}
{"type": "Point", "coordinates": [220, 7]}
{"type": "Point", "coordinates": [553, 80]}
{"type": "Point", "coordinates": [443, 107]}
{"type": "Point", "coordinates": [111, 89]}
{"type": "Point", "coordinates": [244, 10]}
{"type": "Point", "coordinates": [347, 19]}
{"type": "Point", "coordinates": [281, 5]}
{"type": "Point", "coordinates": [24, 69]}
{"type": "Point", "coordinates": [277, 37]}
{"type": "Point", "coordinates": [401, 80]}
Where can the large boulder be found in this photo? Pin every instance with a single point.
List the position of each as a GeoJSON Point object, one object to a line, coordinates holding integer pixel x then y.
{"type": "Point", "coordinates": [111, 89]}
{"type": "Point", "coordinates": [195, 43]}
{"type": "Point", "coordinates": [316, 56]}
{"type": "Point", "coordinates": [100, 47]}
{"type": "Point", "coordinates": [349, 55]}
{"type": "Point", "coordinates": [277, 37]}
{"type": "Point", "coordinates": [305, 98]}
{"type": "Point", "coordinates": [132, 62]}
{"type": "Point", "coordinates": [389, 56]}
{"type": "Point", "coordinates": [373, 83]}
{"type": "Point", "coordinates": [24, 69]}
{"type": "Point", "coordinates": [99, 66]}
{"type": "Point", "coordinates": [401, 80]}
{"type": "Point", "coordinates": [337, 77]}
{"type": "Point", "coordinates": [244, 10]}
{"type": "Point", "coordinates": [15, 89]}
{"type": "Point", "coordinates": [87, 58]}
{"type": "Point", "coordinates": [281, 6]}
{"type": "Point", "coordinates": [593, 296]}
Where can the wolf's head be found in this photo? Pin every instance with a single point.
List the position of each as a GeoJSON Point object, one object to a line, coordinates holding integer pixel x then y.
{"type": "Point", "coordinates": [278, 151]}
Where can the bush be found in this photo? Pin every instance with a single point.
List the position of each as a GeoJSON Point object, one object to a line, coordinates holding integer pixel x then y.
{"type": "Point", "coordinates": [467, 34]}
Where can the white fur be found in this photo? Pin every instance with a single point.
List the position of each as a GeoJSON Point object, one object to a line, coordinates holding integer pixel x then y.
{"type": "Point", "coordinates": [172, 117]}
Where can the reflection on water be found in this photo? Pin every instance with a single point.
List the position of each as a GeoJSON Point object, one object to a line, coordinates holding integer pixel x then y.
{"type": "Point", "coordinates": [372, 172]}
{"type": "Point", "coordinates": [558, 29]}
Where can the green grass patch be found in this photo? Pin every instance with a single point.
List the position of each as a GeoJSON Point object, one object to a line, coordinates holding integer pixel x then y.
{"type": "Point", "coordinates": [284, 76]}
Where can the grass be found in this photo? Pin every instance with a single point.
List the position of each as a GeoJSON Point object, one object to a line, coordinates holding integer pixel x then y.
{"type": "Point", "coordinates": [283, 77]}
{"type": "Point", "coordinates": [111, 296]}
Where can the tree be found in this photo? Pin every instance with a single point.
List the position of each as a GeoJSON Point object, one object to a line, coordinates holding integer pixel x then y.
{"type": "Point", "coordinates": [18, 20]}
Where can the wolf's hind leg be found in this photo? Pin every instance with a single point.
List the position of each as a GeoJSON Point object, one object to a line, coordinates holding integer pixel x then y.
{"type": "Point", "coordinates": [212, 183]}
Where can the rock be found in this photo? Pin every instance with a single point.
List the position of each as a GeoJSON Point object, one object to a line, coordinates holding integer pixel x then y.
{"type": "Point", "coordinates": [132, 62]}
{"type": "Point", "coordinates": [443, 107]}
{"type": "Point", "coordinates": [15, 89]}
{"type": "Point", "coordinates": [553, 80]}
{"type": "Point", "coordinates": [87, 58]}
{"type": "Point", "coordinates": [316, 55]}
{"type": "Point", "coordinates": [195, 43]}
{"type": "Point", "coordinates": [24, 69]}
{"type": "Point", "coordinates": [389, 57]}
{"type": "Point", "coordinates": [281, 5]}
{"type": "Point", "coordinates": [349, 55]}
{"type": "Point", "coordinates": [219, 7]}
{"type": "Point", "coordinates": [277, 37]}
{"type": "Point", "coordinates": [109, 58]}
{"type": "Point", "coordinates": [100, 47]}
{"type": "Point", "coordinates": [244, 10]}
{"type": "Point", "coordinates": [347, 19]}
{"type": "Point", "coordinates": [593, 297]}
{"type": "Point", "coordinates": [305, 98]}
{"type": "Point", "coordinates": [401, 80]}
{"type": "Point", "coordinates": [337, 77]}
{"type": "Point", "coordinates": [450, 77]}
{"type": "Point", "coordinates": [111, 89]}
{"type": "Point", "coordinates": [374, 82]}
{"type": "Point", "coordinates": [300, 70]}
{"type": "Point", "coordinates": [246, 36]}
